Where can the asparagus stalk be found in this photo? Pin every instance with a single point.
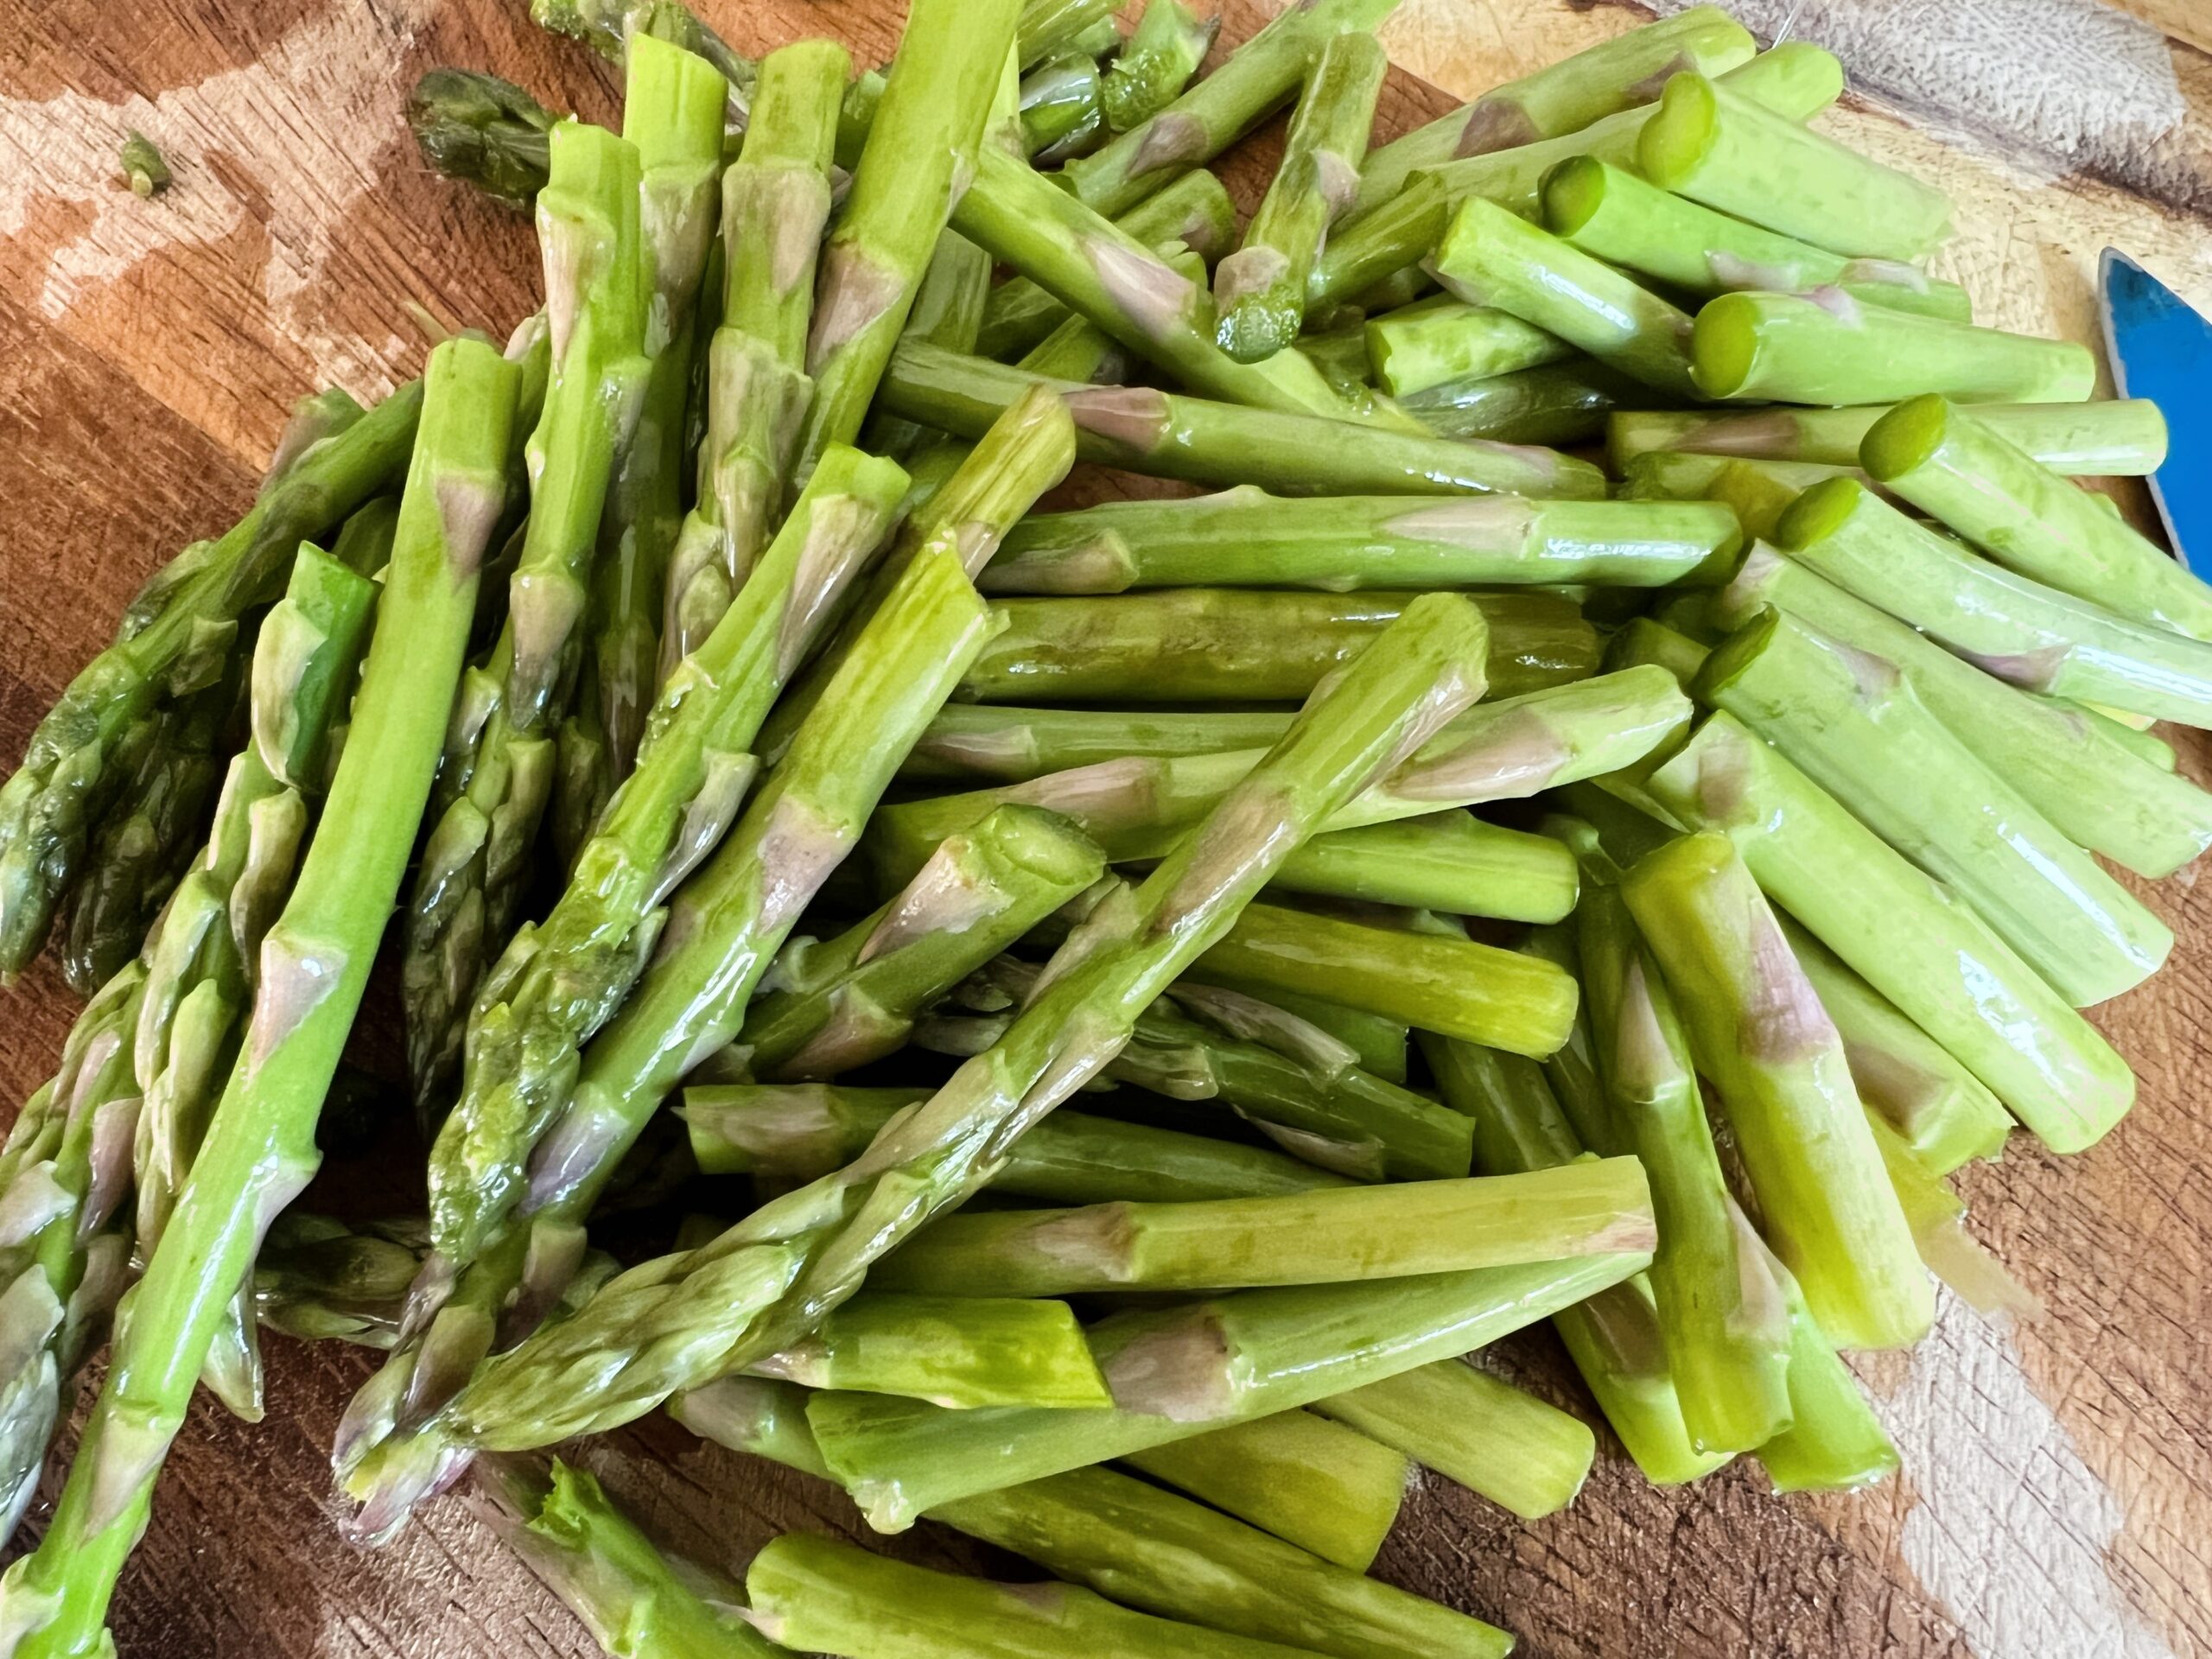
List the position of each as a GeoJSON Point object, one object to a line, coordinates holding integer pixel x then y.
{"type": "Point", "coordinates": [1797, 80]}
{"type": "Point", "coordinates": [1450, 862]}
{"type": "Point", "coordinates": [1306, 1028]}
{"type": "Point", "coordinates": [1565, 97]}
{"type": "Point", "coordinates": [1215, 112]}
{"type": "Point", "coordinates": [2025, 633]}
{"type": "Point", "coordinates": [1710, 143]}
{"type": "Point", "coordinates": [1062, 107]}
{"type": "Point", "coordinates": [1163, 52]}
{"type": "Point", "coordinates": [775, 202]}
{"type": "Point", "coordinates": [496, 776]}
{"type": "Point", "coordinates": [1445, 340]}
{"type": "Point", "coordinates": [1327, 1112]}
{"type": "Point", "coordinates": [948, 310]}
{"type": "Point", "coordinates": [1261, 289]}
{"type": "Point", "coordinates": [559, 981]}
{"type": "Point", "coordinates": [929, 124]}
{"type": "Point", "coordinates": [315, 964]}
{"type": "Point", "coordinates": [765, 1283]}
{"type": "Point", "coordinates": [1937, 1218]}
{"type": "Point", "coordinates": [635, 1602]}
{"type": "Point", "coordinates": [963, 1352]}
{"type": "Point", "coordinates": [1825, 347]}
{"type": "Point", "coordinates": [1181, 1372]}
{"type": "Point", "coordinates": [325, 1281]}
{"type": "Point", "coordinates": [1558, 402]}
{"type": "Point", "coordinates": [1834, 1442]}
{"type": "Point", "coordinates": [1149, 1548]}
{"type": "Point", "coordinates": [2122, 436]}
{"type": "Point", "coordinates": [1611, 213]}
{"type": "Point", "coordinates": [1166, 435]}
{"type": "Point", "coordinates": [1646, 641]}
{"type": "Point", "coordinates": [1722, 1316]}
{"type": "Point", "coordinates": [1913, 942]}
{"type": "Point", "coordinates": [724, 929]}
{"type": "Point", "coordinates": [1004, 744]}
{"type": "Point", "coordinates": [1851, 721]}
{"type": "Point", "coordinates": [2077, 768]}
{"type": "Point", "coordinates": [1971, 477]}
{"type": "Point", "coordinates": [1528, 1457]}
{"type": "Point", "coordinates": [1245, 538]}
{"type": "Point", "coordinates": [609, 27]}
{"type": "Point", "coordinates": [853, 998]}
{"type": "Point", "coordinates": [1614, 1337]}
{"type": "Point", "coordinates": [812, 1593]}
{"type": "Point", "coordinates": [1494, 257]}
{"type": "Point", "coordinates": [1197, 644]}
{"type": "Point", "coordinates": [482, 129]}
{"type": "Point", "coordinates": [788, 1133]}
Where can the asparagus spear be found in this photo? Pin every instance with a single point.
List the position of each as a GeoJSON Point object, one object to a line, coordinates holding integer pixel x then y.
{"type": "Point", "coordinates": [1528, 1457]}
{"type": "Point", "coordinates": [1166, 435]}
{"type": "Point", "coordinates": [765, 1282]}
{"type": "Point", "coordinates": [1180, 1371]}
{"type": "Point", "coordinates": [2031, 636]}
{"type": "Point", "coordinates": [810, 1592]}
{"type": "Point", "coordinates": [960, 1352]}
{"type": "Point", "coordinates": [1721, 1315]}
{"type": "Point", "coordinates": [1197, 644]}
{"type": "Point", "coordinates": [1450, 862]}
{"type": "Point", "coordinates": [796, 1132]}
{"type": "Point", "coordinates": [1611, 213]}
{"type": "Point", "coordinates": [1825, 347]}
{"type": "Point", "coordinates": [1444, 340]}
{"type": "Point", "coordinates": [1648, 641]}
{"type": "Point", "coordinates": [610, 26]}
{"type": "Point", "coordinates": [325, 1281]}
{"type": "Point", "coordinates": [1834, 1442]}
{"type": "Point", "coordinates": [1062, 108]}
{"type": "Point", "coordinates": [1195, 211]}
{"type": "Point", "coordinates": [1614, 1338]}
{"type": "Point", "coordinates": [1346, 1233]}
{"type": "Point", "coordinates": [1163, 52]}
{"type": "Point", "coordinates": [929, 121]}
{"type": "Point", "coordinates": [2075, 767]}
{"type": "Point", "coordinates": [841, 1003]}
{"type": "Point", "coordinates": [559, 981]}
{"type": "Point", "coordinates": [482, 129]}
{"type": "Point", "coordinates": [775, 202]}
{"type": "Point", "coordinates": [315, 964]}
{"type": "Point", "coordinates": [1558, 402]}
{"type": "Point", "coordinates": [497, 773]}
{"type": "Point", "coordinates": [1494, 257]}
{"type": "Point", "coordinates": [1851, 720]}
{"type": "Point", "coordinates": [1971, 477]}
{"type": "Point", "coordinates": [1149, 1548]}
{"type": "Point", "coordinates": [728, 924]}
{"type": "Point", "coordinates": [1004, 744]}
{"type": "Point", "coordinates": [635, 1602]}
{"type": "Point", "coordinates": [1219, 110]}
{"type": "Point", "coordinates": [2110, 436]}
{"type": "Point", "coordinates": [1565, 97]}
{"type": "Point", "coordinates": [1261, 289]}
{"type": "Point", "coordinates": [1712, 144]}
{"type": "Point", "coordinates": [1906, 935]}
{"type": "Point", "coordinates": [1246, 537]}
{"type": "Point", "coordinates": [948, 309]}
{"type": "Point", "coordinates": [1328, 1113]}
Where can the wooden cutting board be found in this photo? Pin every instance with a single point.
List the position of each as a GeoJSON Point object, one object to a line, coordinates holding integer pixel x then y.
{"type": "Point", "coordinates": [2056, 1494]}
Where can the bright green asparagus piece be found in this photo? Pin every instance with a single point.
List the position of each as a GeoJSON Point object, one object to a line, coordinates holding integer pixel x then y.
{"type": "Point", "coordinates": [767, 1281]}
{"type": "Point", "coordinates": [1527, 1456]}
{"type": "Point", "coordinates": [1148, 1549]}
{"type": "Point", "coordinates": [1062, 107]}
{"type": "Point", "coordinates": [144, 168]}
{"type": "Point", "coordinates": [2031, 636]}
{"type": "Point", "coordinates": [1564, 98]}
{"type": "Point", "coordinates": [1166, 435]}
{"type": "Point", "coordinates": [1556, 403]}
{"type": "Point", "coordinates": [1261, 289]}
{"type": "Point", "coordinates": [947, 312]}
{"type": "Point", "coordinates": [1648, 641]}
{"type": "Point", "coordinates": [325, 1281]}
{"type": "Point", "coordinates": [314, 966]}
{"type": "Point", "coordinates": [791, 1133]}
{"type": "Point", "coordinates": [1215, 112]}
{"type": "Point", "coordinates": [1970, 476]}
{"type": "Point", "coordinates": [1851, 719]}
{"type": "Point", "coordinates": [1757, 492]}
{"type": "Point", "coordinates": [2076, 768]}
{"type": "Point", "coordinates": [1162, 54]}
{"type": "Point", "coordinates": [1709, 143]}
{"type": "Point", "coordinates": [1825, 347]}
{"type": "Point", "coordinates": [1905, 934]}
{"type": "Point", "coordinates": [482, 129]}
{"type": "Point", "coordinates": [813, 1594]}
{"type": "Point", "coordinates": [928, 126]}
{"type": "Point", "coordinates": [1937, 1218]}
{"type": "Point", "coordinates": [1445, 340]}
{"type": "Point", "coordinates": [1616, 216]}
{"type": "Point", "coordinates": [995, 742]}
{"type": "Point", "coordinates": [961, 1351]}
{"type": "Point", "coordinates": [1246, 537]}
{"type": "Point", "coordinates": [2120, 436]}
{"type": "Point", "coordinates": [1494, 257]}
{"type": "Point", "coordinates": [1450, 861]}
{"type": "Point", "coordinates": [1048, 28]}
{"type": "Point", "coordinates": [1834, 1442]}
{"type": "Point", "coordinates": [724, 928]}
{"type": "Point", "coordinates": [497, 775]}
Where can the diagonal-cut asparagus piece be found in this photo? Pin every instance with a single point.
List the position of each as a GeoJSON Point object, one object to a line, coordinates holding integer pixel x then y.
{"type": "Point", "coordinates": [2109, 436]}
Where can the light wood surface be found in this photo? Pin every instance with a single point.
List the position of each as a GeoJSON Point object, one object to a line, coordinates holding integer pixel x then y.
{"type": "Point", "coordinates": [2056, 1494]}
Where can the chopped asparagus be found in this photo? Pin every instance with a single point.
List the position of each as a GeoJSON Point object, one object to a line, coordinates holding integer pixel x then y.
{"type": "Point", "coordinates": [2111, 436]}
{"type": "Point", "coordinates": [1151, 71]}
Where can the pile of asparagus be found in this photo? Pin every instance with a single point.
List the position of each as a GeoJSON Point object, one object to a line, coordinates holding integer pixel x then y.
{"type": "Point", "coordinates": [779, 817]}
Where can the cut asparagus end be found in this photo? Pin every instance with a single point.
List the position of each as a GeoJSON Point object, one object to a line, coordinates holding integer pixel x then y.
{"type": "Point", "coordinates": [1679, 134]}
{"type": "Point", "coordinates": [1723, 344]}
{"type": "Point", "coordinates": [1905, 438]}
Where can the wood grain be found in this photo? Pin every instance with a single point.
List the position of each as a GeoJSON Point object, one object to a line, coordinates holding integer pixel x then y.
{"type": "Point", "coordinates": [2056, 1499]}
